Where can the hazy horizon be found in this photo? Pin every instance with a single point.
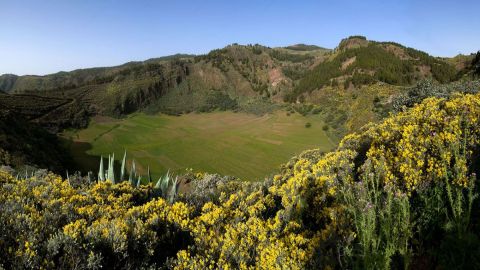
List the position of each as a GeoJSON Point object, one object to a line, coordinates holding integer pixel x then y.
{"type": "Point", "coordinates": [44, 37]}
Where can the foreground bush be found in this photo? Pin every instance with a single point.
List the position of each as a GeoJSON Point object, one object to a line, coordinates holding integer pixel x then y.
{"type": "Point", "coordinates": [399, 194]}
{"type": "Point", "coordinates": [47, 224]}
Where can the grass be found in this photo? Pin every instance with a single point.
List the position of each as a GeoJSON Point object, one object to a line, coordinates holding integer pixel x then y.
{"type": "Point", "coordinates": [239, 144]}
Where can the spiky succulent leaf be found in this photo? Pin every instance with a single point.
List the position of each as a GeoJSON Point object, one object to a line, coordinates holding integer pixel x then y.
{"type": "Point", "coordinates": [159, 183]}
{"type": "Point", "coordinates": [123, 168]}
{"type": "Point", "coordinates": [101, 172]}
{"type": "Point", "coordinates": [111, 172]}
{"type": "Point", "coordinates": [173, 190]}
{"type": "Point", "coordinates": [162, 183]}
{"type": "Point", "coordinates": [133, 174]}
{"type": "Point", "coordinates": [68, 179]}
{"type": "Point", "coordinates": [166, 183]}
{"type": "Point", "coordinates": [139, 181]}
{"type": "Point", "coordinates": [149, 176]}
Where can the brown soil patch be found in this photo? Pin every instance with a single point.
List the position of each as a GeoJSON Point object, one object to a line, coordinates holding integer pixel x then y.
{"type": "Point", "coordinates": [424, 70]}
{"type": "Point", "coordinates": [275, 76]}
{"type": "Point", "coordinates": [348, 62]}
{"type": "Point", "coordinates": [397, 51]}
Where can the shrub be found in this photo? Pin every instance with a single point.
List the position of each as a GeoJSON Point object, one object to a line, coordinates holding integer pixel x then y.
{"type": "Point", "coordinates": [381, 218]}
{"type": "Point", "coordinates": [428, 88]}
{"type": "Point", "coordinates": [398, 194]}
{"type": "Point", "coordinates": [45, 223]}
{"type": "Point", "coordinates": [291, 57]}
{"type": "Point", "coordinates": [308, 124]}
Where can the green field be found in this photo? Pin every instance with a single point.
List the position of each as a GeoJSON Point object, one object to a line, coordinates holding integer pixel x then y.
{"type": "Point", "coordinates": [243, 145]}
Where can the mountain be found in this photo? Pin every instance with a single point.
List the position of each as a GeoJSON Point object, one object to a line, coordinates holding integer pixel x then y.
{"type": "Point", "coordinates": [358, 61]}
{"type": "Point", "coordinates": [240, 71]}
{"type": "Point", "coordinates": [183, 83]}
{"type": "Point", "coordinates": [304, 47]}
{"type": "Point", "coordinates": [237, 77]}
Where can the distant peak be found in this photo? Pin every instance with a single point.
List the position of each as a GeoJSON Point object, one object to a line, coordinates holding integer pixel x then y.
{"type": "Point", "coordinates": [303, 47]}
{"type": "Point", "coordinates": [353, 42]}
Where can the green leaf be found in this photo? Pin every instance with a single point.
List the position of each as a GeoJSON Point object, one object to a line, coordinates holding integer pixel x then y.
{"type": "Point", "coordinates": [123, 168]}
{"type": "Point", "coordinates": [101, 172]}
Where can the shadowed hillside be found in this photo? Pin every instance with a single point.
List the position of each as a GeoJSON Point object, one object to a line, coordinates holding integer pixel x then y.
{"type": "Point", "coordinates": [26, 143]}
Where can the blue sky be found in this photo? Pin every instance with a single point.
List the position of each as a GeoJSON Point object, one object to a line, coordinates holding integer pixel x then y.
{"type": "Point", "coordinates": [46, 36]}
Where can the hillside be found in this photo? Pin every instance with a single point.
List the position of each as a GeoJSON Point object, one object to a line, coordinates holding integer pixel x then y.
{"type": "Point", "coordinates": [51, 113]}
{"type": "Point", "coordinates": [398, 194]}
{"type": "Point", "coordinates": [230, 78]}
{"type": "Point", "coordinates": [25, 143]}
{"type": "Point", "coordinates": [358, 61]}
{"type": "Point", "coordinates": [115, 90]}
{"type": "Point", "coordinates": [182, 82]}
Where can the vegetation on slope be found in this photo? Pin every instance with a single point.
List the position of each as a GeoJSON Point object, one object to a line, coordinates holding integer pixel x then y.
{"type": "Point", "coordinates": [304, 47]}
{"type": "Point", "coordinates": [399, 194]}
{"type": "Point", "coordinates": [476, 64]}
{"type": "Point", "coordinates": [252, 78]}
{"type": "Point", "coordinates": [175, 85]}
{"type": "Point", "coordinates": [115, 90]}
{"type": "Point", "coordinates": [358, 61]}
{"type": "Point", "coordinates": [23, 143]}
{"type": "Point", "coordinates": [184, 83]}
{"type": "Point", "coordinates": [51, 113]}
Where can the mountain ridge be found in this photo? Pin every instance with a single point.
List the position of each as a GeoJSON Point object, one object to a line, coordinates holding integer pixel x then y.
{"type": "Point", "coordinates": [236, 74]}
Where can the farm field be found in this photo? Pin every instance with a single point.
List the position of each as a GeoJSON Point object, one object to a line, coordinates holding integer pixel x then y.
{"type": "Point", "coordinates": [243, 145]}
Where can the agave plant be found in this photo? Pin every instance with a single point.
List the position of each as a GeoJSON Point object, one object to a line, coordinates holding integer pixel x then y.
{"type": "Point", "coordinates": [168, 187]}
{"type": "Point", "coordinates": [163, 183]}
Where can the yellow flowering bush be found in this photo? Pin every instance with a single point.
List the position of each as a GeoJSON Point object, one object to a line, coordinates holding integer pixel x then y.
{"type": "Point", "coordinates": [299, 220]}
{"type": "Point", "coordinates": [45, 223]}
{"type": "Point", "coordinates": [305, 217]}
{"type": "Point", "coordinates": [425, 143]}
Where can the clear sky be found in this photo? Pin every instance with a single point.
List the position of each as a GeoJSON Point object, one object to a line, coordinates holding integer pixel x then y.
{"type": "Point", "coordinates": [46, 36]}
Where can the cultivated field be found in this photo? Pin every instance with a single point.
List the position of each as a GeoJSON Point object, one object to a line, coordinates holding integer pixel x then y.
{"type": "Point", "coordinates": [239, 144]}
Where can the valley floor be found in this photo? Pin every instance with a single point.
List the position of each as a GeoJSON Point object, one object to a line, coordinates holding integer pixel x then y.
{"type": "Point", "coordinates": [243, 145]}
